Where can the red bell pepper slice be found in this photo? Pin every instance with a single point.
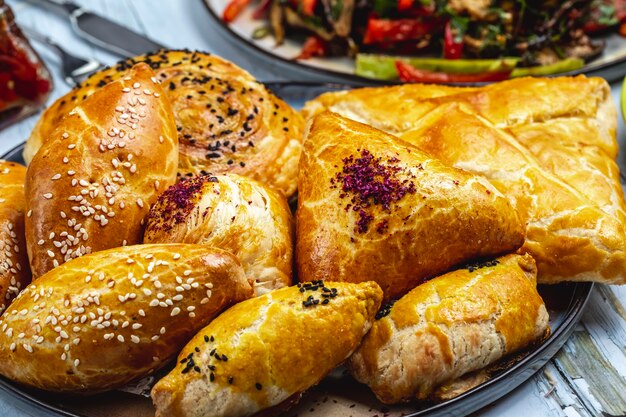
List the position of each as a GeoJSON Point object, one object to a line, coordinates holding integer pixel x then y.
{"type": "Point", "coordinates": [234, 9]}
{"type": "Point", "coordinates": [452, 49]}
{"type": "Point", "coordinates": [261, 10]}
{"type": "Point", "coordinates": [404, 5]}
{"type": "Point", "coordinates": [385, 30]}
{"type": "Point", "coordinates": [313, 46]}
{"type": "Point", "coordinates": [410, 74]}
{"type": "Point", "coordinates": [308, 7]}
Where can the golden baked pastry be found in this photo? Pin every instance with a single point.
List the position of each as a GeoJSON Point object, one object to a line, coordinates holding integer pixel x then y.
{"type": "Point", "coordinates": [372, 207]}
{"type": "Point", "coordinates": [584, 166]}
{"type": "Point", "coordinates": [14, 270]}
{"type": "Point", "coordinates": [517, 101]}
{"type": "Point", "coordinates": [102, 320]}
{"type": "Point", "coordinates": [233, 213]}
{"type": "Point", "coordinates": [91, 185]}
{"type": "Point", "coordinates": [226, 120]}
{"type": "Point", "coordinates": [569, 236]}
{"type": "Point", "coordinates": [453, 324]}
{"type": "Point", "coordinates": [266, 351]}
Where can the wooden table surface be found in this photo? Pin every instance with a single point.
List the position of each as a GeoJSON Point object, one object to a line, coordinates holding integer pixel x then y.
{"type": "Point", "coordinates": [586, 378]}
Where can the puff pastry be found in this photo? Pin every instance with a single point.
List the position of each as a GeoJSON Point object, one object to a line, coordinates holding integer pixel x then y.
{"type": "Point", "coordinates": [91, 185]}
{"type": "Point", "coordinates": [453, 324]}
{"type": "Point", "coordinates": [569, 236]}
{"type": "Point", "coordinates": [102, 320]}
{"type": "Point", "coordinates": [14, 269]}
{"type": "Point", "coordinates": [559, 139]}
{"type": "Point", "coordinates": [372, 207]}
{"type": "Point", "coordinates": [508, 103]}
{"type": "Point", "coordinates": [226, 120]}
{"type": "Point", "coordinates": [267, 350]}
{"type": "Point", "coordinates": [233, 213]}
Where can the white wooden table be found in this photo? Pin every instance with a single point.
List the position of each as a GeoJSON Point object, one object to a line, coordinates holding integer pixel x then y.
{"type": "Point", "coordinates": [586, 378]}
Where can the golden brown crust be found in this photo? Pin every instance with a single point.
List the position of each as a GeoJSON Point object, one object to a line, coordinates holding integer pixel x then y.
{"type": "Point", "coordinates": [436, 217]}
{"type": "Point", "coordinates": [260, 352]}
{"type": "Point", "coordinates": [227, 121]}
{"type": "Point", "coordinates": [14, 269]}
{"type": "Point", "coordinates": [456, 323]}
{"type": "Point", "coordinates": [233, 213]}
{"type": "Point", "coordinates": [508, 103]}
{"type": "Point", "coordinates": [569, 236]}
{"type": "Point", "coordinates": [97, 322]}
{"type": "Point", "coordinates": [91, 185]}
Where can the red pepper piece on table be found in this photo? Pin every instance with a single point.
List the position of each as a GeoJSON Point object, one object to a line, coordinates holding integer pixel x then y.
{"type": "Point", "coordinates": [452, 48]}
{"type": "Point", "coordinates": [410, 74]}
{"type": "Point", "coordinates": [385, 30]}
{"type": "Point", "coordinates": [234, 9]}
{"type": "Point", "coordinates": [313, 46]}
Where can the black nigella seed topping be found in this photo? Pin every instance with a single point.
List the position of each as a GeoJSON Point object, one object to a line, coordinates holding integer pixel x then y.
{"type": "Point", "coordinates": [206, 338]}
{"type": "Point", "coordinates": [196, 368]}
{"type": "Point", "coordinates": [197, 349]}
{"type": "Point", "coordinates": [212, 376]}
{"type": "Point", "coordinates": [212, 352]}
{"type": "Point", "coordinates": [230, 379]}
{"type": "Point", "coordinates": [326, 301]}
{"type": "Point", "coordinates": [224, 358]}
{"type": "Point", "coordinates": [211, 367]}
{"type": "Point", "coordinates": [212, 339]}
{"type": "Point", "coordinates": [258, 386]}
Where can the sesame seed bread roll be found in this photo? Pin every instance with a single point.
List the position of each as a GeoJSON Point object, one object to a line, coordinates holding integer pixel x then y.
{"type": "Point", "coordinates": [453, 324]}
{"type": "Point", "coordinates": [372, 207]}
{"type": "Point", "coordinates": [97, 322]}
{"type": "Point", "coordinates": [264, 352]}
{"type": "Point", "coordinates": [14, 270]}
{"type": "Point", "coordinates": [91, 185]}
{"type": "Point", "coordinates": [233, 213]}
{"type": "Point", "coordinates": [227, 121]}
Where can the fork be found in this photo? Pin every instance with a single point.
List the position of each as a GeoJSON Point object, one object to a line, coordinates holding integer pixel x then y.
{"type": "Point", "coordinates": [74, 68]}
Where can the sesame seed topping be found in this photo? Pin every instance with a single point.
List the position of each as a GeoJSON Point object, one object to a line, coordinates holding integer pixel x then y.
{"type": "Point", "coordinates": [47, 196]}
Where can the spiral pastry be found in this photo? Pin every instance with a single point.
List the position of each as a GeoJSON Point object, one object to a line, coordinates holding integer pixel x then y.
{"type": "Point", "coordinates": [226, 120]}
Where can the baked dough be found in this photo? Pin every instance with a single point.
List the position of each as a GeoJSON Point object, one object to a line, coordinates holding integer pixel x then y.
{"type": "Point", "coordinates": [14, 270]}
{"type": "Point", "coordinates": [266, 351]}
{"type": "Point", "coordinates": [227, 121]}
{"type": "Point", "coordinates": [456, 323]}
{"type": "Point", "coordinates": [91, 185]}
{"type": "Point", "coordinates": [569, 236]}
{"type": "Point", "coordinates": [568, 127]}
{"type": "Point", "coordinates": [372, 207]}
{"type": "Point", "coordinates": [513, 102]}
{"type": "Point", "coordinates": [233, 213]}
{"type": "Point", "coordinates": [97, 322]}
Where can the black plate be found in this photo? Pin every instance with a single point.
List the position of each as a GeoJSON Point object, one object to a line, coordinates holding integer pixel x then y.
{"type": "Point", "coordinates": [611, 65]}
{"type": "Point", "coordinates": [565, 304]}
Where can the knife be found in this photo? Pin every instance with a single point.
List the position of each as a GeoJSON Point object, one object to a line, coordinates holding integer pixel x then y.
{"type": "Point", "coordinates": [101, 31]}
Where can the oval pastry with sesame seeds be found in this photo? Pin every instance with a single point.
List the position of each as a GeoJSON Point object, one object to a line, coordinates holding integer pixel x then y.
{"type": "Point", "coordinates": [102, 320]}
{"type": "Point", "coordinates": [233, 213]}
{"type": "Point", "coordinates": [14, 270]}
{"type": "Point", "coordinates": [91, 185]}
{"type": "Point", "coordinates": [264, 352]}
{"type": "Point", "coordinates": [227, 121]}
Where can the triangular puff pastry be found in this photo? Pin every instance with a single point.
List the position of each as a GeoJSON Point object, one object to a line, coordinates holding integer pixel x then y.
{"type": "Point", "coordinates": [372, 207]}
{"type": "Point", "coordinates": [569, 236]}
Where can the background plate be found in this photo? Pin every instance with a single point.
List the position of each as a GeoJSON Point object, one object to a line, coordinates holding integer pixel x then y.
{"type": "Point", "coordinates": [611, 65]}
{"type": "Point", "coordinates": [338, 394]}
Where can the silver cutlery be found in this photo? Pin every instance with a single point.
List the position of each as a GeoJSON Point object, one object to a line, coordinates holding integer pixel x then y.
{"type": "Point", "coordinates": [101, 31]}
{"type": "Point", "coordinates": [74, 68]}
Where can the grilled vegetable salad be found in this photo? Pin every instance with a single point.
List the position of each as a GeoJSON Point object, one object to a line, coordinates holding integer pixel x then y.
{"type": "Point", "coordinates": [471, 40]}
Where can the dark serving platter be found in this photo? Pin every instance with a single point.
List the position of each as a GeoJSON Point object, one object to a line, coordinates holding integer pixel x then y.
{"type": "Point", "coordinates": [611, 65]}
{"type": "Point", "coordinates": [338, 394]}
